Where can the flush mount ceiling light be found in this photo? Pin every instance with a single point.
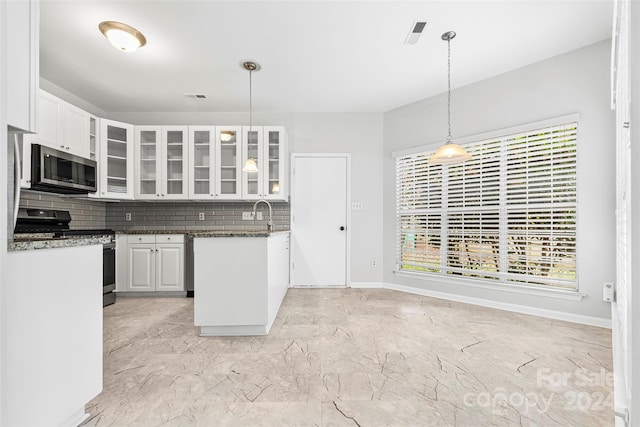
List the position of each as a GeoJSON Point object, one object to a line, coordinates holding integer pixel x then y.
{"type": "Point", "coordinates": [250, 165]}
{"type": "Point", "coordinates": [226, 135]}
{"type": "Point", "coordinates": [122, 36]}
{"type": "Point", "coordinates": [450, 152]}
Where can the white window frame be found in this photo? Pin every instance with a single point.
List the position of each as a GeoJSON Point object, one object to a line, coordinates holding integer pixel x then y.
{"type": "Point", "coordinates": [501, 284]}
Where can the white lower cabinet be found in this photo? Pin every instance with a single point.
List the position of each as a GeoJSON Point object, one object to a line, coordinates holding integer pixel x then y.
{"type": "Point", "coordinates": [153, 263]}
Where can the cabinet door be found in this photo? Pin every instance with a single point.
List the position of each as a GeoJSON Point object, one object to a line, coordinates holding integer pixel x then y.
{"type": "Point", "coordinates": [141, 268]}
{"type": "Point", "coordinates": [22, 59]}
{"type": "Point", "coordinates": [202, 166]}
{"type": "Point", "coordinates": [50, 119]}
{"type": "Point", "coordinates": [148, 163]}
{"type": "Point", "coordinates": [93, 139]}
{"type": "Point", "coordinates": [174, 157]}
{"type": "Point", "coordinates": [76, 131]}
{"type": "Point", "coordinates": [252, 182]}
{"type": "Point", "coordinates": [228, 162]}
{"type": "Point", "coordinates": [274, 164]}
{"type": "Point", "coordinates": [169, 267]}
{"type": "Point", "coordinates": [116, 160]}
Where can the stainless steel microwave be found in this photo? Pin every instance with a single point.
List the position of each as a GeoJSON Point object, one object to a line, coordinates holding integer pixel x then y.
{"type": "Point", "coordinates": [59, 172]}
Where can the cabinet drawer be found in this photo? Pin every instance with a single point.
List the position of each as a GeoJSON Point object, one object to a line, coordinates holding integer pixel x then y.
{"type": "Point", "coordinates": [170, 238]}
{"type": "Point", "coordinates": [141, 238]}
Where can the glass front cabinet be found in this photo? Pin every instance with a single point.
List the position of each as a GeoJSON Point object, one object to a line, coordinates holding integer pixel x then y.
{"type": "Point", "coordinates": [267, 146]}
{"type": "Point", "coordinates": [161, 154]}
{"type": "Point", "coordinates": [116, 160]}
{"type": "Point", "coordinates": [202, 155]}
{"type": "Point", "coordinates": [228, 169]}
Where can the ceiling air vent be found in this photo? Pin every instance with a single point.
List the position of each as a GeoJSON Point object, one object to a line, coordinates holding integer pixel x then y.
{"type": "Point", "coordinates": [415, 32]}
{"type": "Point", "coordinates": [195, 96]}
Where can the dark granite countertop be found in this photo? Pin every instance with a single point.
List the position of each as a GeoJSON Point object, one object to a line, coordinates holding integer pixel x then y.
{"type": "Point", "coordinates": [209, 233]}
{"type": "Point", "coordinates": [41, 242]}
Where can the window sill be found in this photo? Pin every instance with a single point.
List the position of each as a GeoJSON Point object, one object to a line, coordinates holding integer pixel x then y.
{"type": "Point", "coordinates": [478, 284]}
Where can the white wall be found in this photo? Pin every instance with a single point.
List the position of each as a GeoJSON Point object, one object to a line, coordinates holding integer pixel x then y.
{"type": "Point", "coordinates": [574, 82]}
{"type": "Point", "coordinates": [3, 198]}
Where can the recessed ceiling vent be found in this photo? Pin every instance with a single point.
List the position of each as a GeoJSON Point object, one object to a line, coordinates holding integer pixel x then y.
{"type": "Point", "coordinates": [415, 32]}
{"type": "Point", "coordinates": [195, 96]}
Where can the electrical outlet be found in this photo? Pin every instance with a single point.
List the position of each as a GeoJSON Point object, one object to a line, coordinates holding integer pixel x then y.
{"type": "Point", "coordinates": [374, 262]}
{"type": "Point", "coordinates": [259, 216]}
{"type": "Point", "coordinates": [201, 216]}
{"type": "Point", "coordinates": [127, 216]}
{"type": "Point", "coordinates": [246, 216]}
{"type": "Point", "coordinates": [357, 206]}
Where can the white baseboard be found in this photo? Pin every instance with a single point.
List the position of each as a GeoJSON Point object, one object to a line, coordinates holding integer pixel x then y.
{"type": "Point", "coordinates": [367, 285]}
{"type": "Point", "coordinates": [534, 311]}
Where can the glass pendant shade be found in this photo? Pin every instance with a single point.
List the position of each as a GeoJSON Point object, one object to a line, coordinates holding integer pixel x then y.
{"type": "Point", "coordinates": [448, 154]}
{"type": "Point", "coordinates": [250, 165]}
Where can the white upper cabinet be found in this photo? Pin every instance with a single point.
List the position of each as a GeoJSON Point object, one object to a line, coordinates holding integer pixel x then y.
{"type": "Point", "coordinates": [62, 126]}
{"type": "Point", "coordinates": [147, 155]}
{"type": "Point", "coordinates": [174, 167]}
{"type": "Point", "coordinates": [116, 160]}
{"type": "Point", "coordinates": [275, 163]}
{"type": "Point", "coordinates": [23, 69]}
{"type": "Point", "coordinates": [228, 162]}
{"type": "Point", "coordinates": [253, 182]}
{"type": "Point", "coordinates": [267, 146]}
{"type": "Point", "coordinates": [161, 154]}
{"type": "Point", "coordinates": [202, 163]}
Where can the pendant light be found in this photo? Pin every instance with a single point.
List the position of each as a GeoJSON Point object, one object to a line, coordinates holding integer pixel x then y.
{"type": "Point", "coordinates": [250, 165]}
{"type": "Point", "coordinates": [122, 36]}
{"type": "Point", "coordinates": [450, 152]}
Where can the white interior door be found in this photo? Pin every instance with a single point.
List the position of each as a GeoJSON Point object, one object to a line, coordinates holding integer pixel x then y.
{"type": "Point", "coordinates": [319, 220]}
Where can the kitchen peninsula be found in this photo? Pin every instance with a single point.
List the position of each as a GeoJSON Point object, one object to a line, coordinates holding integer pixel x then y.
{"type": "Point", "coordinates": [240, 280]}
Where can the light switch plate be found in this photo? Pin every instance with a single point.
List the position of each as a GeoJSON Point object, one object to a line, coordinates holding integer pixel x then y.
{"type": "Point", "coordinates": [246, 216]}
{"type": "Point", "coordinates": [607, 292]}
{"type": "Point", "coordinates": [357, 206]}
{"type": "Point", "coordinates": [259, 216]}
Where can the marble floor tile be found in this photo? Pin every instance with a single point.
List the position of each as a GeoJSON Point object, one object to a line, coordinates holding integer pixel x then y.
{"type": "Point", "coordinates": [353, 357]}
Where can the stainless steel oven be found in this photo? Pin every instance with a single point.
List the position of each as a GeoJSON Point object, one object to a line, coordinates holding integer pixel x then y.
{"type": "Point", "coordinates": [108, 273]}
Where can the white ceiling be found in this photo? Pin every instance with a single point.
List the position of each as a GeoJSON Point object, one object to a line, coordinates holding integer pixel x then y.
{"type": "Point", "coordinates": [316, 56]}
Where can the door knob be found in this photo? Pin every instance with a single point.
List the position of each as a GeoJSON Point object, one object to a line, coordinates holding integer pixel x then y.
{"type": "Point", "coordinates": [342, 228]}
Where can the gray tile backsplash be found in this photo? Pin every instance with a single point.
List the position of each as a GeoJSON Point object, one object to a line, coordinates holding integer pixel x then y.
{"type": "Point", "coordinates": [161, 216]}
{"type": "Point", "coordinates": [182, 216]}
{"type": "Point", "coordinates": [85, 214]}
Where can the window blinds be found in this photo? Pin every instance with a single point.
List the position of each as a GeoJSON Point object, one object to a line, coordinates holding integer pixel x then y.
{"type": "Point", "coordinates": [507, 215]}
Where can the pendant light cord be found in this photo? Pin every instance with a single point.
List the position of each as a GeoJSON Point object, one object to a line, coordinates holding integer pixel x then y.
{"type": "Point", "coordinates": [449, 137]}
{"type": "Point", "coordinates": [251, 104]}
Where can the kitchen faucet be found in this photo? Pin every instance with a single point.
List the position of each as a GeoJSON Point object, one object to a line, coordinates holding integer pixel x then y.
{"type": "Point", "coordinates": [270, 221]}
